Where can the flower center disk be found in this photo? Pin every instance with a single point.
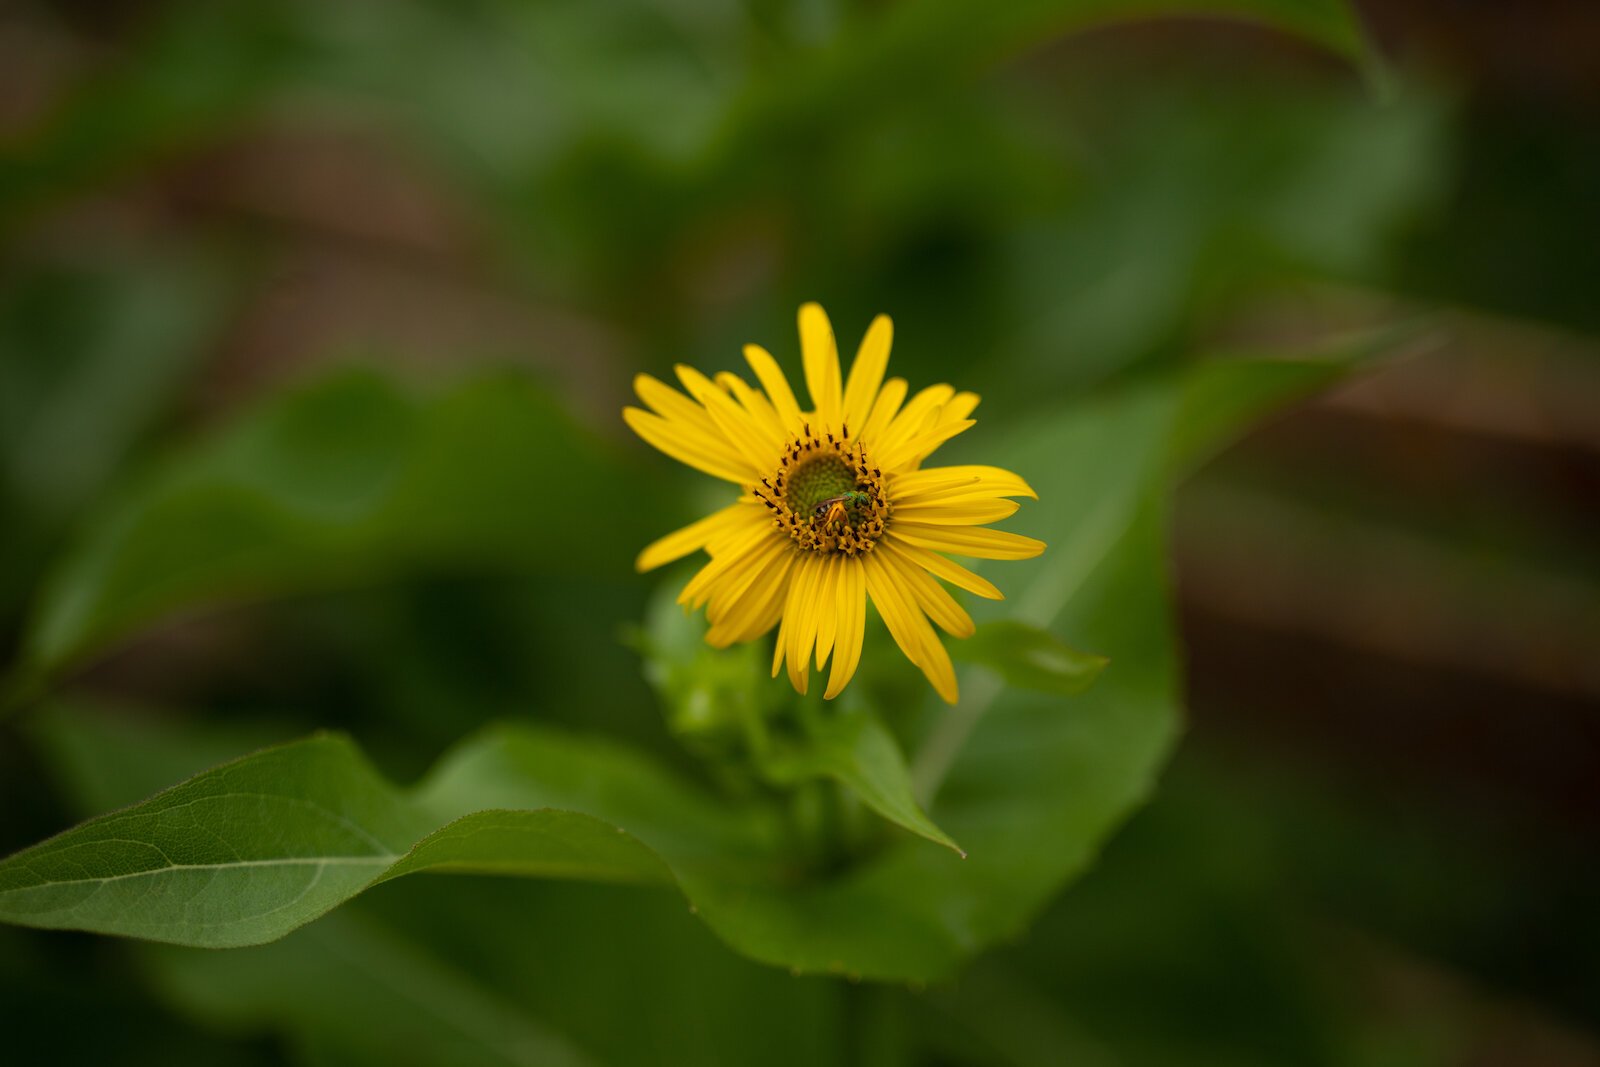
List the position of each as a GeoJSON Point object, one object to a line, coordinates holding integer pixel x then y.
{"type": "Point", "coordinates": [826, 495]}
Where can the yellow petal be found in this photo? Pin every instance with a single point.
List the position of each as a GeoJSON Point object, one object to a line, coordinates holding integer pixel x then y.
{"type": "Point", "coordinates": [913, 450]}
{"type": "Point", "coordinates": [782, 643]}
{"type": "Point", "coordinates": [866, 373]}
{"type": "Point", "coordinates": [670, 404]}
{"type": "Point", "coordinates": [930, 596]}
{"type": "Point", "coordinates": [826, 599]}
{"type": "Point", "coordinates": [729, 554]}
{"type": "Point", "coordinates": [890, 397]}
{"type": "Point", "coordinates": [736, 424]}
{"type": "Point", "coordinates": [744, 570]}
{"type": "Point", "coordinates": [673, 439]}
{"type": "Point", "coordinates": [973, 478]}
{"type": "Point", "coordinates": [961, 405]}
{"type": "Point", "coordinates": [913, 419]}
{"type": "Point", "coordinates": [948, 569]}
{"type": "Point", "coordinates": [800, 620]}
{"type": "Point", "coordinates": [909, 627]}
{"type": "Point", "coordinates": [760, 408]}
{"type": "Point", "coordinates": [773, 381]}
{"type": "Point", "coordinates": [691, 538]}
{"type": "Point", "coordinates": [821, 356]}
{"type": "Point", "coordinates": [950, 421]}
{"type": "Point", "coordinates": [976, 512]}
{"type": "Point", "coordinates": [758, 610]}
{"type": "Point", "coordinates": [975, 541]}
{"type": "Point", "coordinates": [852, 625]}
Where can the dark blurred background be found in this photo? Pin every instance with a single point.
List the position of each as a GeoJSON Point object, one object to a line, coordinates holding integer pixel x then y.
{"type": "Point", "coordinates": [1377, 843]}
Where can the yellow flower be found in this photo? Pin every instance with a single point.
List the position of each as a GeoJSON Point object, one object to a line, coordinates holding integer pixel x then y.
{"type": "Point", "coordinates": [835, 506]}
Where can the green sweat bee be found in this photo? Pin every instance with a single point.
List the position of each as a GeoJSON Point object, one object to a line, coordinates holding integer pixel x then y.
{"type": "Point", "coordinates": [835, 508]}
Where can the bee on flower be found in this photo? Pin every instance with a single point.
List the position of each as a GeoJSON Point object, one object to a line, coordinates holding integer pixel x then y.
{"type": "Point", "coordinates": [835, 506]}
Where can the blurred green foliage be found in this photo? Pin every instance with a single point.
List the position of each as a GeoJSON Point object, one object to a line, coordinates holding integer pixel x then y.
{"type": "Point", "coordinates": [1074, 233]}
{"type": "Point", "coordinates": [91, 356]}
{"type": "Point", "coordinates": [341, 484]}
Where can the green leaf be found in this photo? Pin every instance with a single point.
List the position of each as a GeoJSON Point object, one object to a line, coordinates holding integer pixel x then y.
{"type": "Point", "coordinates": [247, 852]}
{"type": "Point", "coordinates": [526, 768]}
{"type": "Point", "coordinates": [235, 856]}
{"type": "Point", "coordinates": [535, 844]}
{"type": "Point", "coordinates": [1030, 657]}
{"type": "Point", "coordinates": [346, 481]}
{"type": "Point", "coordinates": [856, 750]}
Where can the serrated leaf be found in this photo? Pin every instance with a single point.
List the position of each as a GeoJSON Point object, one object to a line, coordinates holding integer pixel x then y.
{"type": "Point", "coordinates": [1030, 657]}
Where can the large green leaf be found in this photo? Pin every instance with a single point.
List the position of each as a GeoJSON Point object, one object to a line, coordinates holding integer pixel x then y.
{"type": "Point", "coordinates": [345, 481]}
{"type": "Point", "coordinates": [235, 856]}
{"type": "Point", "coordinates": [537, 844]}
{"type": "Point", "coordinates": [247, 852]}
